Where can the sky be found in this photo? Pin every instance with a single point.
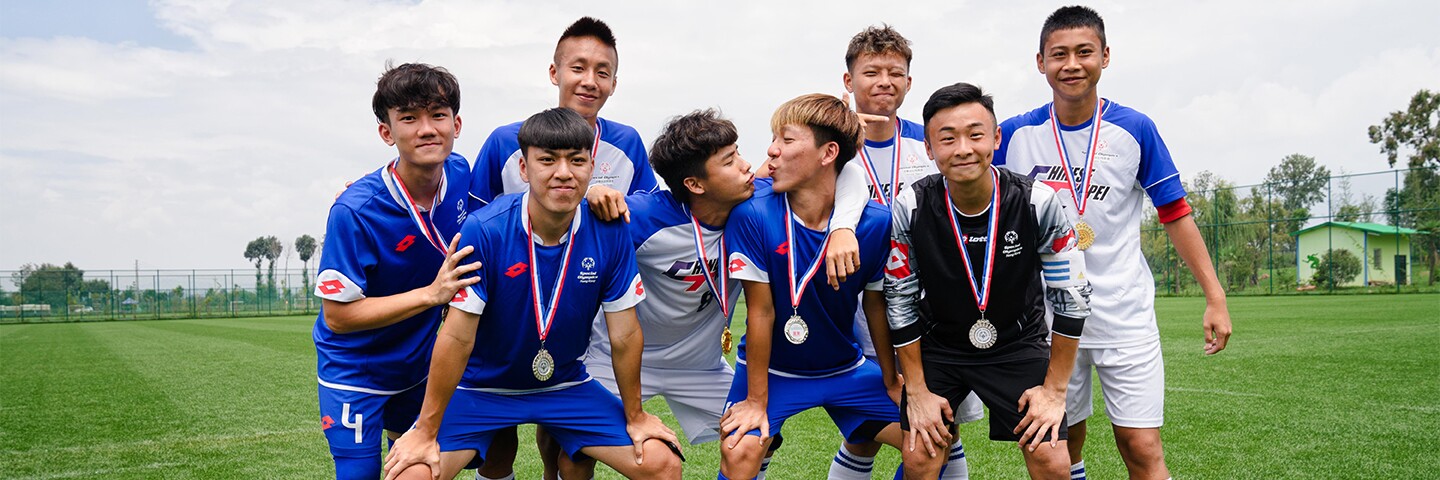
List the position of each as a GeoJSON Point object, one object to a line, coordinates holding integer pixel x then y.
{"type": "Point", "coordinates": [171, 133]}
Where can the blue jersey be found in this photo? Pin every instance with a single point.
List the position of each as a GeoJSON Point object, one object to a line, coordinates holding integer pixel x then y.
{"type": "Point", "coordinates": [375, 246]}
{"type": "Point", "coordinates": [619, 154]}
{"type": "Point", "coordinates": [600, 272]}
{"type": "Point", "coordinates": [757, 247]}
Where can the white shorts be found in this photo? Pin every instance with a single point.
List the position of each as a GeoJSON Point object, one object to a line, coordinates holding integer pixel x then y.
{"type": "Point", "coordinates": [1132, 380]}
{"type": "Point", "coordinates": [696, 397]}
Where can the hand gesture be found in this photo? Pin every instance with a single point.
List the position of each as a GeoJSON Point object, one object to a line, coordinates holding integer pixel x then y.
{"type": "Point", "coordinates": [646, 427]}
{"type": "Point", "coordinates": [413, 448]}
{"type": "Point", "coordinates": [607, 203]}
{"type": "Point", "coordinates": [928, 414]}
{"type": "Point", "coordinates": [741, 418]}
{"type": "Point", "coordinates": [842, 257]}
{"type": "Point", "coordinates": [1217, 329]}
{"type": "Point", "coordinates": [450, 277]}
{"type": "Point", "coordinates": [1044, 410]}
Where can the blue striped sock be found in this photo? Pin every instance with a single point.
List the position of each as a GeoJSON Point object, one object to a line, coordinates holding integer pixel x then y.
{"type": "Point", "coordinates": [1077, 471]}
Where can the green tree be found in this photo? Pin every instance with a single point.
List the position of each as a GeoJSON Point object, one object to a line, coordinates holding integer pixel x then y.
{"type": "Point", "coordinates": [1335, 268]}
{"type": "Point", "coordinates": [273, 250]}
{"type": "Point", "coordinates": [49, 284]}
{"type": "Point", "coordinates": [1298, 183]}
{"type": "Point", "coordinates": [1347, 208]}
{"type": "Point", "coordinates": [305, 246]}
{"type": "Point", "coordinates": [1414, 134]}
{"type": "Point", "coordinates": [255, 252]}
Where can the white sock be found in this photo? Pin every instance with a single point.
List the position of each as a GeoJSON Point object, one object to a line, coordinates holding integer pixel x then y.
{"type": "Point", "coordinates": [1077, 471]}
{"type": "Point", "coordinates": [848, 466]}
{"type": "Point", "coordinates": [764, 464]}
{"type": "Point", "coordinates": [478, 476]}
{"type": "Point", "coordinates": [955, 467]}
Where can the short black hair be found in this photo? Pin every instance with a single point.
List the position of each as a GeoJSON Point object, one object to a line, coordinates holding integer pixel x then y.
{"type": "Point", "coordinates": [414, 85]}
{"type": "Point", "coordinates": [1074, 16]}
{"type": "Point", "coordinates": [589, 27]}
{"type": "Point", "coordinates": [955, 95]}
{"type": "Point", "coordinates": [685, 145]}
{"type": "Point", "coordinates": [556, 129]}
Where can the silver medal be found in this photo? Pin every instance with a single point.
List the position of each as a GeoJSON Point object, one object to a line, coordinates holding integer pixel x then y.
{"type": "Point", "coordinates": [795, 330]}
{"type": "Point", "coordinates": [983, 334]}
{"type": "Point", "coordinates": [544, 365]}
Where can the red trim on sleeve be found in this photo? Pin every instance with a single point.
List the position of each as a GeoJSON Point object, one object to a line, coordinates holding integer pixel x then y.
{"type": "Point", "coordinates": [1173, 211]}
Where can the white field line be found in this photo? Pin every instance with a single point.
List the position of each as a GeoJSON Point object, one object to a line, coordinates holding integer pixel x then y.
{"type": "Point", "coordinates": [1214, 391]}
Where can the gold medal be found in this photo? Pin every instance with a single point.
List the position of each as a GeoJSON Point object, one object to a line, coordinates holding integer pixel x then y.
{"type": "Point", "coordinates": [1084, 235]}
{"type": "Point", "coordinates": [543, 366]}
{"type": "Point", "coordinates": [725, 341]}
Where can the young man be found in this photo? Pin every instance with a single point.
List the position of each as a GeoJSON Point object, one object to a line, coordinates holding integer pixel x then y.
{"type": "Point", "coordinates": [1105, 158]}
{"type": "Point", "coordinates": [783, 233]}
{"type": "Point", "coordinates": [877, 73]}
{"type": "Point", "coordinates": [988, 233]}
{"type": "Point", "coordinates": [680, 249]}
{"type": "Point", "coordinates": [386, 270]}
{"type": "Point", "coordinates": [560, 266]}
{"type": "Point", "coordinates": [584, 70]}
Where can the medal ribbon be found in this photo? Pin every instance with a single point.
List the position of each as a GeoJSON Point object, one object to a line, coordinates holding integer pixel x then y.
{"type": "Point", "coordinates": [722, 291]}
{"type": "Point", "coordinates": [545, 319]}
{"type": "Point", "coordinates": [426, 222]}
{"type": "Point", "coordinates": [797, 289]}
{"type": "Point", "coordinates": [981, 288]}
{"type": "Point", "coordinates": [1078, 192]}
{"type": "Point", "coordinates": [882, 196]}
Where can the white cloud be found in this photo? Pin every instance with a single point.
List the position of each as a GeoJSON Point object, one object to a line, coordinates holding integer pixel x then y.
{"type": "Point", "coordinates": [114, 152]}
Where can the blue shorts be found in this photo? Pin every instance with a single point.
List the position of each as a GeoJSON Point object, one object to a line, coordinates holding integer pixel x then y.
{"type": "Point", "coordinates": [585, 415]}
{"type": "Point", "coordinates": [352, 420]}
{"type": "Point", "coordinates": [855, 400]}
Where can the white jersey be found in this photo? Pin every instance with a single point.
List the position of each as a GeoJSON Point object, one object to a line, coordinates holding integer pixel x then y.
{"type": "Point", "coordinates": [683, 321]}
{"type": "Point", "coordinates": [882, 163]}
{"type": "Point", "coordinates": [1131, 162]}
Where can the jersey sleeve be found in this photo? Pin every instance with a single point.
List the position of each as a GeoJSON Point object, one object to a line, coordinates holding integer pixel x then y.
{"type": "Point", "coordinates": [851, 195]}
{"type": "Point", "coordinates": [644, 181]}
{"type": "Point", "coordinates": [1157, 172]}
{"type": "Point", "coordinates": [623, 288]}
{"type": "Point", "coordinates": [745, 244]}
{"type": "Point", "coordinates": [348, 252]}
{"type": "Point", "coordinates": [1007, 133]}
{"type": "Point", "coordinates": [472, 299]}
{"type": "Point", "coordinates": [902, 285]}
{"type": "Point", "coordinates": [1062, 264]}
{"type": "Point", "coordinates": [485, 183]}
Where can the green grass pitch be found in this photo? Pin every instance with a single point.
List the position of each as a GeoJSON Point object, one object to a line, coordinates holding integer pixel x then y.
{"type": "Point", "coordinates": [1327, 387]}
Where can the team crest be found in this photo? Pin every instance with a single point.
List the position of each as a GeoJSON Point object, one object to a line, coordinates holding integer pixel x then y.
{"type": "Point", "coordinates": [587, 274]}
{"type": "Point", "coordinates": [1011, 236]}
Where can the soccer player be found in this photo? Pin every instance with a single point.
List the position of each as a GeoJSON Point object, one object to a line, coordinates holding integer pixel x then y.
{"type": "Point", "coordinates": [994, 235]}
{"type": "Point", "coordinates": [386, 269]}
{"type": "Point", "coordinates": [516, 359]}
{"type": "Point", "coordinates": [584, 70]}
{"type": "Point", "coordinates": [877, 73]}
{"type": "Point", "coordinates": [1105, 159]}
{"type": "Point", "coordinates": [783, 233]}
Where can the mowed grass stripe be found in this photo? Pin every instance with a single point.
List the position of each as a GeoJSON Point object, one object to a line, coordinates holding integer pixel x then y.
{"type": "Point", "coordinates": [1334, 387]}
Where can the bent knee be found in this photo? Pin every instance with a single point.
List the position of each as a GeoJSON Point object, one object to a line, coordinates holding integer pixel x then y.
{"type": "Point", "coordinates": [416, 472]}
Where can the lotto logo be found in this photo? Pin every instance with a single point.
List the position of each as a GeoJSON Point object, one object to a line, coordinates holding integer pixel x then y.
{"type": "Point", "coordinates": [737, 265]}
{"type": "Point", "coordinates": [516, 270]}
{"type": "Point", "coordinates": [331, 287]}
{"type": "Point", "coordinates": [460, 296]}
{"type": "Point", "coordinates": [639, 287]}
{"type": "Point", "coordinates": [326, 422]}
{"type": "Point", "coordinates": [1063, 243]}
{"type": "Point", "coordinates": [783, 249]}
{"type": "Point", "coordinates": [405, 243]}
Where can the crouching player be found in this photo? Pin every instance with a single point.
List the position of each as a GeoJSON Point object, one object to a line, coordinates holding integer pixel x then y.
{"type": "Point", "coordinates": [556, 265]}
{"type": "Point", "coordinates": [1004, 241]}
{"type": "Point", "coordinates": [385, 271]}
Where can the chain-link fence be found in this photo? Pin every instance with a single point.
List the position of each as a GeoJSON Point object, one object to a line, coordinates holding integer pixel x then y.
{"type": "Point", "coordinates": [67, 294]}
{"type": "Point", "coordinates": [1370, 232]}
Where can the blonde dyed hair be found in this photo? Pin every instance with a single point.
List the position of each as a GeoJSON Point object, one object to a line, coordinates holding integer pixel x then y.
{"type": "Point", "coordinates": [829, 119]}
